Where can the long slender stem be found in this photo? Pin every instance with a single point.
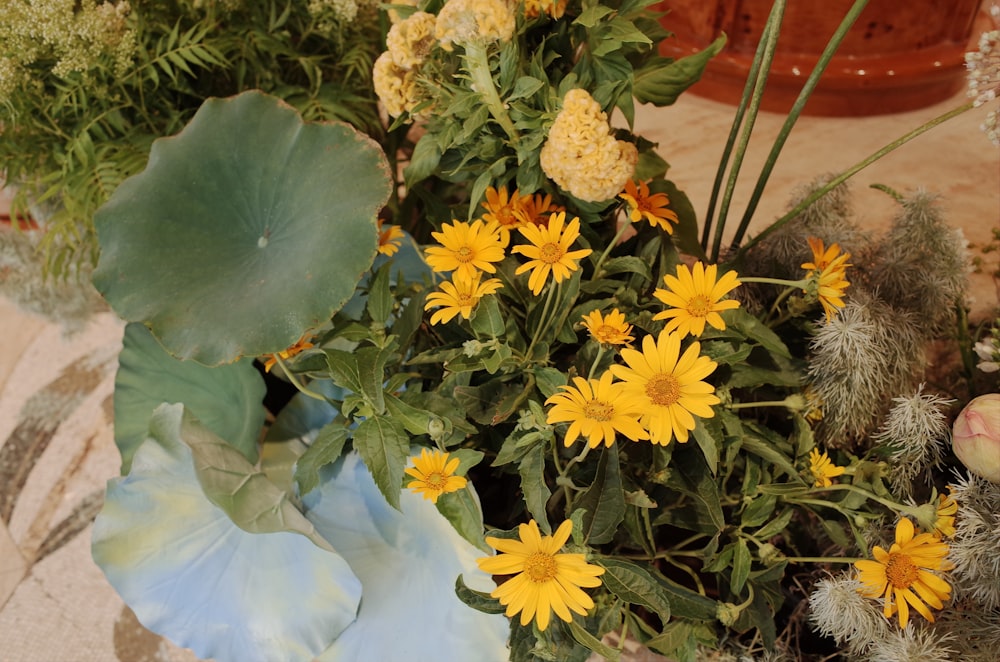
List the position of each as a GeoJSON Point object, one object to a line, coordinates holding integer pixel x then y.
{"type": "Point", "coordinates": [295, 381]}
{"type": "Point", "coordinates": [793, 115]}
{"type": "Point", "coordinates": [771, 41]}
{"type": "Point", "coordinates": [720, 173]}
{"type": "Point", "coordinates": [607, 251]}
{"type": "Point", "coordinates": [850, 172]}
{"type": "Point", "coordinates": [478, 65]}
{"type": "Point", "coordinates": [819, 559]}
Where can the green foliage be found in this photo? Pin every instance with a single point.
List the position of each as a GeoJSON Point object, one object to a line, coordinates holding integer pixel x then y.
{"type": "Point", "coordinates": [80, 110]}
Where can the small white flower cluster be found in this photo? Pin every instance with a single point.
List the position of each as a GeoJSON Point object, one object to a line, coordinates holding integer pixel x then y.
{"type": "Point", "coordinates": [983, 76]}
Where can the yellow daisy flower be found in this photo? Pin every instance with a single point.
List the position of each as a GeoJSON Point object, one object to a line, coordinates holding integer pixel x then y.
{"type": "Point", "coordinates": [503, 209]}
{"type": "Point", "coordinates": [537, 208]}
{"type": "Point", "coordinates": [610, 329]}
{"type": "Point", "coordinates": [822, 468]}
{"type": "Point", "coordinates": [828, 269]}
{"type": "Point", "coordinates": [903, 577]}
{"type": "Point", "coordinates": [300, 345]}
{"type": "Point", "coordinates": [668, 385]}
{"type": "Point", "coordinates": [545, 580]}
{"type": "Point", "coordinates": [434, 474]}
{"type": "Point", "coordinates": [695, 297]}
{"type": "Point", "coordinates": [597, 409]}
{"type": "Point", "coordinates": [389, 238]}
{"type": "Point", "coordinates": [549, 252]}
{"type": "Point", "coordinates": [653, 208]}
{"type": "Point", "coordinates": [459, 295]}
{"type": "Point", "coordinates": [466, 248]}
{"type": "Point", "coordinates": [944, 523]}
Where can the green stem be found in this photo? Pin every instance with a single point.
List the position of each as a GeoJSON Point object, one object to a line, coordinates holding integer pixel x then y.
{"type": "Point", "coordinates": [850, 172]}
{"type": "Point", "coordinates": [734, 130]}
{"type": "Point", "coordinates": [796, 284]}
{"type": "Point", "coordinates": [607, 251]}
{"type": "Point", "coordinates": [295, 381]}
{"type": "Point", "coordinates": [762, 403]}
{"type": "Point", "coordinates": [478, 65]}
{"type": "Point", "coordinates": [770, 37]}
{"type": "Point", "coordinates": [597, 360]}
{"type": "Point", "coordinates": [793, 116]}
{"type": "Point", "coordinates": [819, 559]}
{"type": "Point", "coordinates": [543, 320]}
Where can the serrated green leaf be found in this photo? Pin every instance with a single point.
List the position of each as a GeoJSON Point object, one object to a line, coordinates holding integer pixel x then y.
{"type": "Point", "coordinates": [707, 434]}
{"type": "Point", "coordinates": [592, 643]}
{"type": "Point", "coordinates": [635, 585]}
{"type": "Point", "coordinates": [627, 264]}
{"type": "Point", "coordinates": [487, 320]}
{"type": "Point", "coordinates": [324, 450]}
{"type": "Point", "coordinates": [380, 299]}
{"type": "Point", "coordinates": [477, 599]}
{"type": "Point", "coordinates": [384, 447]}
{"type": "Point", "coordinates": [548, 380]}
{"type": "Point", "coordinates": [462, 509]}
{"type": "Point", "coordinates": [661, 82]}
{"type": "Point", "coordinates": [536, 492]}
{"type": "Point", "coordinates": [604, 500]}
{"type": "Point", "coordinates": [229, 481]}
{"type": "Point", "coordinates": [776, 525]}
{"type": "Point", "coordinates": [741, 566]}
{"type": "Point", "coordinates": [416, 421]}
{"type": "Point", "coordinates": [759, 511]}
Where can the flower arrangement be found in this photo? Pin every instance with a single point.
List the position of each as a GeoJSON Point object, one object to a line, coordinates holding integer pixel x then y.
{"type": "Point", "coordinates": [534, 412]}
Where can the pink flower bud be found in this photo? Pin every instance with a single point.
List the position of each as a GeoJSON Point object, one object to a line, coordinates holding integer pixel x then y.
{"type": "Point", "coordinates": [976, 436]}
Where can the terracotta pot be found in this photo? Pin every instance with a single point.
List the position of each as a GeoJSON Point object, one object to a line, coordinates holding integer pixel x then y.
{"type": "Point", "coordinates": [899, 55]}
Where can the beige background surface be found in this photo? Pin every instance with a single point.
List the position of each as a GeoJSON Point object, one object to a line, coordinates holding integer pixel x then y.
{"type": "Point", "coordinates": [54, 603]}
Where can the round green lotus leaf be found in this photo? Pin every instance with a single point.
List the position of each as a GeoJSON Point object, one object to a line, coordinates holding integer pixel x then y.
{"type": "Point", "coordinates": [244, 231]}
{"type": "Point", "coordinates": [226, 399]}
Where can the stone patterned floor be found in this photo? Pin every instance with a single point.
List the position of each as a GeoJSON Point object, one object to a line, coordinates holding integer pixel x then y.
{"type": "Point", "coordinates": [56, 445]}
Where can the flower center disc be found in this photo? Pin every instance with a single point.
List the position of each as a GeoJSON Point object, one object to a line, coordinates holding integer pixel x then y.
{"type": "Point", "coordinates": [464, 254]}
{"type": "Point", "coordinates": [599, 411]}
{"type": "Point", "coordinates": [900, 571]}
{"type": "Point", "coordinates": [663, 389]}
{"type": "Point", "coordinates": [436, 480]}
{"type": "Point", "coordinates": [540, 567]}
{"type": "Point", "coordinates": [465, 300]}
{"type": "Point", "coordinates": [550, 253]}
{"type": "Point", "coordinates": [699, 306]}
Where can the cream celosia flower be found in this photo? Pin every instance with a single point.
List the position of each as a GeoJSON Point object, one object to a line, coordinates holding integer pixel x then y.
{"type": "Point", "coordinates": [395, 86]}
{"type": "Point", "coordinates": [545, 580]}
{"type": "Point", "coordinates": [481, 21]}
{"type": "Point", "coordinates": [582, 156]}
{"type": "Point", "coordinates": [410, 41]}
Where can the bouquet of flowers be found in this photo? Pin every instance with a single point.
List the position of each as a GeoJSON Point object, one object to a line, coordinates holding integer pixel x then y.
{"type": "Point", "coordinates": [534, 412]}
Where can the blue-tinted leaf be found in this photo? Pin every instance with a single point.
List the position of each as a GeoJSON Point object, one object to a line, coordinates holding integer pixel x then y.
{"type": "Point", "coordinates": [193, 576]}
{"type": "Point", "coordinates": [408, 562]}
